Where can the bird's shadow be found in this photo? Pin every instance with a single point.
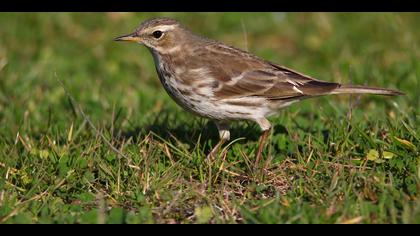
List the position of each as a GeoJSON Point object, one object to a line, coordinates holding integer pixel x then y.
{"type": "Point", "coordinates": [199, 130]}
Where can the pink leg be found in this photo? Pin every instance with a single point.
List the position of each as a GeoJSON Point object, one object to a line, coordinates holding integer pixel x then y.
{"type": "Point", "coordinates": [266, 127]}
{"type": "Point", "coordinates": [261, 144]}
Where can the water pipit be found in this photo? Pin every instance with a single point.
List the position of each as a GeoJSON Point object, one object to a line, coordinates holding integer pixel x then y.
{"type": "Point", "coordinates": [223, 83]}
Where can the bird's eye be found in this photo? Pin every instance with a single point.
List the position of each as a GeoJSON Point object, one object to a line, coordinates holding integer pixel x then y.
{"type": "Point", "coordinates": [157, 34]}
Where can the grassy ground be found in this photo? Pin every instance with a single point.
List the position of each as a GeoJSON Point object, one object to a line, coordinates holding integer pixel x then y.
{"type": "Point", "coordinates": [329, 160]}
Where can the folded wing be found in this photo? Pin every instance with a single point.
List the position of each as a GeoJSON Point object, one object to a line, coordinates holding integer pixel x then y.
{"type": "Point", "coordinates": [275, 83]}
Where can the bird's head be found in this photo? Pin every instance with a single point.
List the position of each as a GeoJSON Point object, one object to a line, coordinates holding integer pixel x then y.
{"type": "Point", "coordinates": [160, 34]}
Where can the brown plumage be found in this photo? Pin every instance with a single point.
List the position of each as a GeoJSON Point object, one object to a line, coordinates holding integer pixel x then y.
{"type": "Point", "coordinates": [223, 83]}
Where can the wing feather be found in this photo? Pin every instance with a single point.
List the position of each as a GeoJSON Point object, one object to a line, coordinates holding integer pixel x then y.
{"type": "Point", "coordinates": [237, 77]}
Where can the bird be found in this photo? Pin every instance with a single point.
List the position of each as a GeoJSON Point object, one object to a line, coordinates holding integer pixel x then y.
{"type": "Point", "coordinates": [225, 84]}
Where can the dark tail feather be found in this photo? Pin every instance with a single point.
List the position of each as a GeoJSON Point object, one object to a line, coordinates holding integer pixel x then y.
{"type": "Point", "coordinates": [357, 89]}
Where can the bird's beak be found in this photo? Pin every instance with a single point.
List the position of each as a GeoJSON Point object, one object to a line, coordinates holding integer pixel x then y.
{"type": "Point", "coordinates": [133, 37]}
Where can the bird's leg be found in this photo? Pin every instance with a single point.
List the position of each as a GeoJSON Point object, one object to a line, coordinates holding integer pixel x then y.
{"type": "Point", "coordinates": [224, 135]}
{"type": "Point", "coordinates": [266, 127]}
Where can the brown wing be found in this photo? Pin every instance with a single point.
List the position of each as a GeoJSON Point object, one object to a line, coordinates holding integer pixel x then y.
{"type": "Point", "coordinates": [241, 74]}
{"type": "Point", "coordinates": [300, 83]}
{"type": "Point", "coordinates": [272, 85]}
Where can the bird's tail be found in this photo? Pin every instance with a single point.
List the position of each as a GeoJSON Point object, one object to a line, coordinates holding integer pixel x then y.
{"type": "Point", "coordinates": [357, 89]}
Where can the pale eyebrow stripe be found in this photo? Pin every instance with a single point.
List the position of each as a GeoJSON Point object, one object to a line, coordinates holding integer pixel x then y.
{"type": "Point", "coordinates": [164, 27]}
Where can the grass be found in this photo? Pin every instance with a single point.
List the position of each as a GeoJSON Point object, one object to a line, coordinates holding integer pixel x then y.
{"type": "Point", "coordinates": [336, 159]}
